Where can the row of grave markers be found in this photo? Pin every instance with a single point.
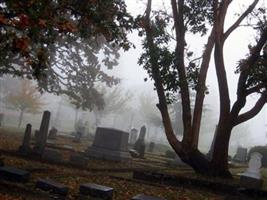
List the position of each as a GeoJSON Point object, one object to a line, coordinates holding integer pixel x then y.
{"type": "Point", "coordinates": [87, 189]}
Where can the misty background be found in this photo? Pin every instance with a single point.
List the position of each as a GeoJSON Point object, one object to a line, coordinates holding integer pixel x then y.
{"type": "Point", "coordinates": [139, 93]}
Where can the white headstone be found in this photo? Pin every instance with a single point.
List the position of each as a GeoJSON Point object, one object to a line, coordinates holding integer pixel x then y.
{"type": "Point", "coordinates": [254, 166]}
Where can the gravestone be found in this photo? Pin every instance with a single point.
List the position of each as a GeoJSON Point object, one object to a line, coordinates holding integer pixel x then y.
{"type": "Point", "coordinates": [251, 178]}
{"type": "Point", "coordinates": [52, 186]}
{"type": "Point", "coordinates": [14, 174]}
{"type": "Point", "coordinates": [78, 160]}
{"type": "Point", "coordinates": [109, 144]}
{"type": "Point", "coordinates": [241, 155]}
{"type": "Point", "coordinates": [133, 136]}
{"type": "Point", "coordinates": [140, 146]}
{"type": "Point", "coordinates": [145, 197]}
{"type": "Point", "coordinates": [42, 135]}
{"type": "Point", "coordinates": [1, 119]}
{"type": "Point", "coordinates": [52, 133]}
{"type": "Point", "coordinates": [52, 155]}
{"type": "Point", "coordinates": [151, 147]}
{"type": "Point", "coordinates": [25, 148]}
{"type": "Point", "coordinates": [98, 191]}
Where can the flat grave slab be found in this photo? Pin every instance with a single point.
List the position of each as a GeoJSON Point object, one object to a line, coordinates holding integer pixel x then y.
{"type": "Point", "coordinates": [98, 191]}
{"type": "Point", "coordinates": [52, 186]}
{"type": "Point", "coordinates": [78, 160]}
{"type": "Point", "coordinates": [14, 174]}
{"type": "Point", "coordinates": [145, 197]}
{"type": "Point", "coordinates": [52, 155]}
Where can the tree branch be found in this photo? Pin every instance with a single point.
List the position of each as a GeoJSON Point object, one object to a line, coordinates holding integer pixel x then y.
{"type": "Point", "coordinates": [240, 19]}
{"type": "Point", "coordinates": [253, 111]}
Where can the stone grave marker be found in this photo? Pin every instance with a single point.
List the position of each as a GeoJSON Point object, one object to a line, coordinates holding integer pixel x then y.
{"type": "Point", "coordinates": [252, 178]}
{"type": "Point", "coordinates": [52, 186]}
{"type": "Point", "coordinates": [52, 134]}
{"type": "Point", "coordinates": [151, 147]}
{"type": "Point", "coordinates": [25, 148]}
{"type": "Point", "coordinates": [14, 174]}
{"type": "Point", "coordinates": [42, 135]}
{"type": "Point", "coordinates": [109, 144]}
{"type": "Point", "coordinates": [78, 160]}
{"type": "Point", "coordinates": [133, 136]}
{"type": "Point", "coordinates": [241, 155]}
{"type": "Point", "coordinates": [140, 146]}
{"type": "Point", "coordinates": [52, 155]}
{"type": "Point", "coordinates": [1, 119]}
{"type": "Point", "coordinates": [98, 191]}
{"type": "Point", "coordinates": [145, 197]}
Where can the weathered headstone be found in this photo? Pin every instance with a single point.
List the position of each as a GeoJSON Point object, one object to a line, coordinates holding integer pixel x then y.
{"type": "Point", "coordinates": [78, 160]}
{"type": "Point", "coordinates": [25, 148]}
{"type": "Point", "coordinates": [109, 144]}
{"type": "Point", "coordinates": [52, 186]}
{"type": "Point", "coordinates": [52, 133]}
{"type": "Point", "coordinates": [241, 155]}
{"type": "Point", "coordinates": [98, 191]}
{"type": "Point", "coordinates": [133, 136]}
{"type": "Point", "coordinates": [42, 135]}
{"type": "Point", "coordinates": [52, 155]}
{"type": "Point", "coordinates": [252, 178]}
{"type": "Point", "coordinates": [145, 197]}
{"type": "Point", "coordinates": [14, 174]}
{"type": "Point", "coordinates": [151, 147]}
{"type": "Point", "coordinates": [140, 146]}
{"type": "Point", "coordinates": [1, 119]}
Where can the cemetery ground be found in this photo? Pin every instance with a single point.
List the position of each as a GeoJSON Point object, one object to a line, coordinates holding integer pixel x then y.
{"type": "Point", "coordinates": [118, 175]}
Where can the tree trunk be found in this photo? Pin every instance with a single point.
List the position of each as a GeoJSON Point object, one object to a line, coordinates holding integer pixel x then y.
{"type": "Point", "coordinates": [219, 162]}
{"type": "Point", "coordinates": [20, 117]}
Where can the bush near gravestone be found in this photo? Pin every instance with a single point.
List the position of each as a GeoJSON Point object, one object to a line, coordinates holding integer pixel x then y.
{"type": "Point", "coordinates": [263, 151]}
{"type": "Point", "coordinates": [170, 154]}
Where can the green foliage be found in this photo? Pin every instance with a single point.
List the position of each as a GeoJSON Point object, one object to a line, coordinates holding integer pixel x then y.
{"type": "Point", "coordinates": [42, 40]}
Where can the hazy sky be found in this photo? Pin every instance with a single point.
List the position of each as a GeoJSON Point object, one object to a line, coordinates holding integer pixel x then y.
{"type": "Point", "coordinates": [235, 49]}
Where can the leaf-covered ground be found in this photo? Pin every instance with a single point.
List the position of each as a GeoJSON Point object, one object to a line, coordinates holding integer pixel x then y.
{"type": "Point", "coordinates": [72, 177]}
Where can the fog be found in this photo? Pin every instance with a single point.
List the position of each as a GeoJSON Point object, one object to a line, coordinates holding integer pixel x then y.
{"type": "Point", "coordinates": [132, 79]}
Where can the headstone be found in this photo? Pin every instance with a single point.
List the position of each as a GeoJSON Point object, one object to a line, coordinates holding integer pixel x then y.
{"type": "Point", "coordinates": [78, 160]}
{"type": "Point", "coordinates": [1, 119]}
{"type": "Point", "coordinates": [42, 135]}
{"type": "Point", "coordinates": [133, 136]}
{"type": "Point", "coordinates": [241, 155]}
{"type": "Point", "coordinates": [14, 174]}
{"type": "Point", "coordinates": [25, 148]}
{"type": "Point", "coordinates": [151, 147]}
{"type": "Point", "coordinates": [98, 191]}
{"type": "Point", "coordinates": [52, 155]}
{"type": "Point", "coordinates": [145, 197]}
{"type": "Point", "coordinates": [109, 144]}
{"type": "Point", "coordinates": [52, 186]}
{"type": "Point", "coordinates": [52, 133]}
{"type": "Point", "coordinates": [140, 146]}
{"type": "Point", "coordinates": [251, 178]}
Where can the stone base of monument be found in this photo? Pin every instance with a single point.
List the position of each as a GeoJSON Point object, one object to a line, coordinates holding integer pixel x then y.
{"type": "Point", "coordinates": [145, 197]}
{"type": "Point", "coordinates": [250, 183]}
{"type": "Point", "coordinates": [14, 174]}
{"type": "Point", "coordinates": [107, 154]}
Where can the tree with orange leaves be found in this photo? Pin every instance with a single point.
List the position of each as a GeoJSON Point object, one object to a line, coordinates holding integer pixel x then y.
{"type": "Point", "coordinates": [26, 99]}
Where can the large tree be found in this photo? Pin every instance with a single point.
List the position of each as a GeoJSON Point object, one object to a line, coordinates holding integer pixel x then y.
{"type": "Point", "coordinates": [58, 43]}
{"type": "Point", "coordinates": [172, 72]}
